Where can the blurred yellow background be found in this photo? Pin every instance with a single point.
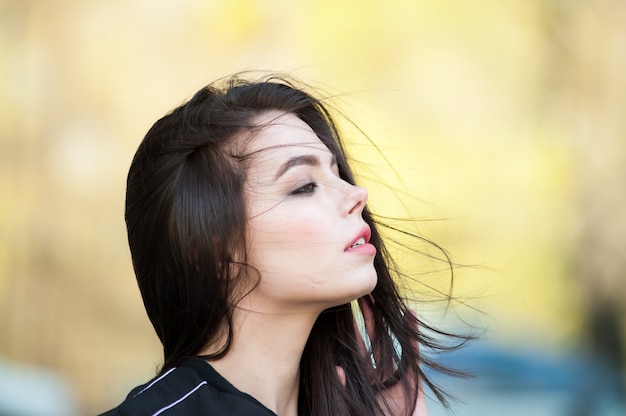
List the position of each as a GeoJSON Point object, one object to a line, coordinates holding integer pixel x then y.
{"type": "Point", "coordinates": [505, 120]}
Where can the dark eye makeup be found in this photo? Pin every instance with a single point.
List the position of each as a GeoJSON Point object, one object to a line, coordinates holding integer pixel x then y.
{"type": "Point", "coordinates": [309, 188]}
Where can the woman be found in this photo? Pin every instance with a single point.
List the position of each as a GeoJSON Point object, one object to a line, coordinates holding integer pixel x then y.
{"type": "Point", "coordinates": [250, 241]}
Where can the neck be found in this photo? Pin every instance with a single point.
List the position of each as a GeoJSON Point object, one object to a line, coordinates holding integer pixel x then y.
{"type": "Point", "coordinates": [264, 357]}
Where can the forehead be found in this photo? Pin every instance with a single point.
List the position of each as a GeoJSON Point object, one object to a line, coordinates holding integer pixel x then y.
{"type": "Point", "coordinates": [282, 134]}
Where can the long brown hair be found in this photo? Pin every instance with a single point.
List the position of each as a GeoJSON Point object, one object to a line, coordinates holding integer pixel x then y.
{"type": "Point", "coordinates": [186, 217]}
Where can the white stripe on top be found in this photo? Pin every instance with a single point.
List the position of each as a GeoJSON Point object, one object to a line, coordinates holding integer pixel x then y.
{"type": "Point", "coordinates": [155, 381]}
{"type": "Point", "coordinates": [158, 412]}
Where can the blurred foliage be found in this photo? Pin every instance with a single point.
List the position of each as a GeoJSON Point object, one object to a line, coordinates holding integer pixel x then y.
{"type": "Point", "coordinates": [503, 121]}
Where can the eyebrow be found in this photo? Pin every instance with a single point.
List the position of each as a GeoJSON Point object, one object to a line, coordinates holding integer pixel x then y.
{"type": "Point", "coordinates": [310, 160]}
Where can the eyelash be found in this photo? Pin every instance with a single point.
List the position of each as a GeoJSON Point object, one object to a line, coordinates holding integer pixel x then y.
{"type": "Point", "coordinates": [309, 188]}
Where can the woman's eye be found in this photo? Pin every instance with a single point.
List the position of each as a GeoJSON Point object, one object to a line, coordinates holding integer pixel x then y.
{"type": "Point", "coordinates": [309, 188]}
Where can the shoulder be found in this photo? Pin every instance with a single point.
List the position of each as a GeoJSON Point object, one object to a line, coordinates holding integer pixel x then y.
{"type": "Point", "coordinates": [192, 388]}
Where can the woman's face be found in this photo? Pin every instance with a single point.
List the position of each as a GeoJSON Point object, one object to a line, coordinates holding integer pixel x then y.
{"type": "Point", "coordinates": [307, 238]}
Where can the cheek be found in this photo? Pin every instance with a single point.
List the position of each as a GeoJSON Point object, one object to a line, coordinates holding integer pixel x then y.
{"type": "Point", "coordinates": [296, 232]}
{"type": "Point", "coordinates": [289, 231]}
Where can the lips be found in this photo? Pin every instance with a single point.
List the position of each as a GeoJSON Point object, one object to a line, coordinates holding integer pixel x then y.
{"type": "Point", "coordinates": [363, 237]}
{"type": "Point", "coordinates": [359, 242]}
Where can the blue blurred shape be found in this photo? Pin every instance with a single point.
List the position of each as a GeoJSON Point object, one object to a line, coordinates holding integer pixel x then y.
{"type": "Point", "coordinates": [28, 391]}
{"type": "Point", "coordinates": [530, 382]}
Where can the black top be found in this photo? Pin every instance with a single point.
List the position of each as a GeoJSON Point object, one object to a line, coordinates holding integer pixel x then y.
{"type": "Point", "coordinates": [193, 388]}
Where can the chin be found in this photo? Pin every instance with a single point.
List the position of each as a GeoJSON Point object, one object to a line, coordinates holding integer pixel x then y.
{"type": "Point", "coordinates": [369, 287]}
{"type": "Point", "coordinates": [362, 289]}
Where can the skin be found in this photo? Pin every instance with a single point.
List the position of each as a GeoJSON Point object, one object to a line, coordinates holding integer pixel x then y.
{"type": "Point", "coordinates": [302, 216]}
{"type": "Point", "coordinates": [302, 220]}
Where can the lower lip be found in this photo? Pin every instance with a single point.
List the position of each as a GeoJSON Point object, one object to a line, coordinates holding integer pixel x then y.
{"type": "Point", "coordinates": [366, 248]}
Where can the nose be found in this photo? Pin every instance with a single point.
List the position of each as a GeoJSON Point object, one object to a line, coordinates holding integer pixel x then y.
{"type": "Point", "coordinates": [355, 200]}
